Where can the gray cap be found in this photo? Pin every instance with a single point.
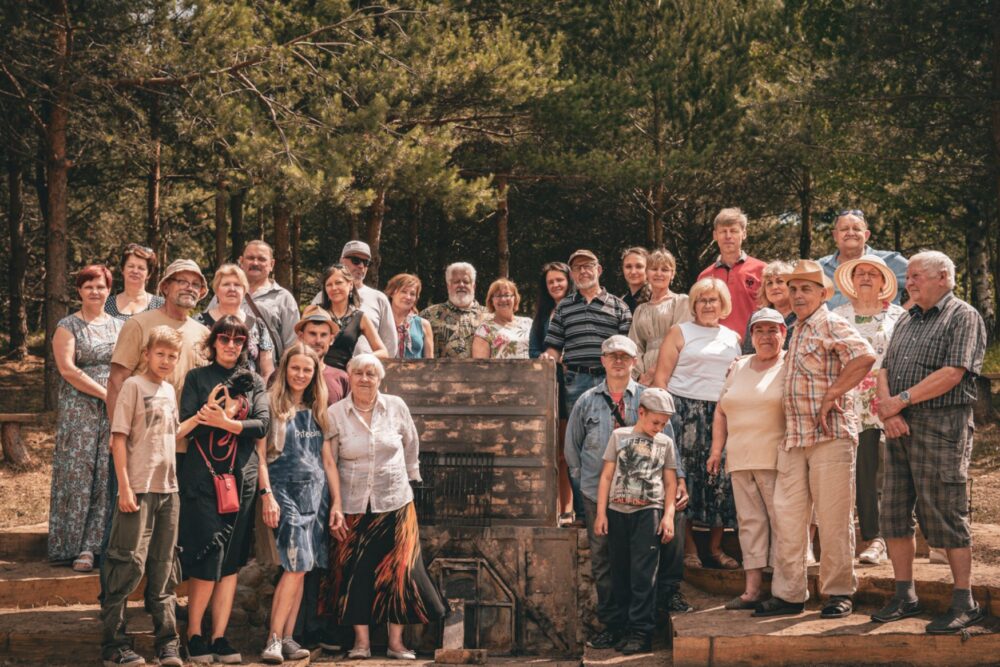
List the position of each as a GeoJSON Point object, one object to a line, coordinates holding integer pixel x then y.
{"type": "Point", "coordinates": [356, 248]}
{"type": "Point", "coordinates": [766, 315]}
{"type": "Point", "coordinates": [657, 400]}
{"type": "Point", "coordinates": [619, 343]}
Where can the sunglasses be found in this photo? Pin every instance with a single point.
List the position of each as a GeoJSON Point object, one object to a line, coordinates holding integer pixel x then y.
{"type": "Point", "coordinates": [226, 339]}
{"type": "Point", "coordinates": [852, 211]}
{"type": "Point", "coordinates": [359, 261]}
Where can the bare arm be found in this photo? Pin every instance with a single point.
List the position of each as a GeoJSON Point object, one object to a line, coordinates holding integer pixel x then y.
{"type": "Point", "coordinates": [670, 351]}
{"type": "Point", "coordinates": [428, 340]}
{"type": "Point", "coordinates": [374, 341]}
{"type": "Point", "coordinates": [64, 351]}
{"type": "Point", "coordinates": [126, 497]}
{"type": "Point", "coordinates": [720, 432]}
{"type": "Point", "coordinates": [270, 510]}
{"type": "Point", "coordinates": [553, 353]}
{"type": "Point", "coordinates": [266, 362]}
{"type": "Point", "coordinates": [603, 493]}
{"type": "Point", "coordinates": [116, 378]}
{"type": "Point", "coordinates": [666, 527]}
{"type": "Point", "coordinates": [333, 481]}
{"type": "Point", "coordinates": [937, 383]}
{"type": "Point", "coordinates": [895, 426]}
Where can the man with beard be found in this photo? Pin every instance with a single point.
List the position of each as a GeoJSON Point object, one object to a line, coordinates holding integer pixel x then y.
{"type": "Point", "coordinates": [741, 272]}
{"type": "Point", "coordinates": [454, 321]}
{"type": "Point", "coordinates": [317, 330]}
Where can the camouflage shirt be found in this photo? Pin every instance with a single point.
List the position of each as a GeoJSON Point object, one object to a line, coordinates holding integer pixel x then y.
{"type": "Point", "coordinates": [453, 328]}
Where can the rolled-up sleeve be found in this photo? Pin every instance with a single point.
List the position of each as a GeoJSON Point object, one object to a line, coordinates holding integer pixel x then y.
{"type": "Point", "coordinates": [846, 341]}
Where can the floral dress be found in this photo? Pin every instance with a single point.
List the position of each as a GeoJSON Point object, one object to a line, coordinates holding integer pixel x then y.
{"type": "Point", "coordinates": [877, 330]}
{"type": "Point", "coordinates": [507, 341]}
{"type": "Point", "coordinates": [80, 464]}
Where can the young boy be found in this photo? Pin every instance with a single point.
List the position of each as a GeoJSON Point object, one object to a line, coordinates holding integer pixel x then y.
{"type": "Point", "coordinates": [639, 472]}
{"type": "Point", "coordinates": [144, 526]}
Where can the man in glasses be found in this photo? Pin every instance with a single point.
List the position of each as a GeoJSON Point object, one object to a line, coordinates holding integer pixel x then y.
{"type": "Point", "coordinates": [454, 322]}
{"type": "Point", "coordinates": [741, 272]}
{"type": "Point", "coordinates": [851, 234]}
{"type": "Point", "coordinates": [357, 257]}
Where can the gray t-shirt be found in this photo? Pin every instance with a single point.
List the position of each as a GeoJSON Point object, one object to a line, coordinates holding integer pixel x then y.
{"type": "Point", "coordinates": [146, 413]}
{"type": "Point", "coordinates": [639, 463]}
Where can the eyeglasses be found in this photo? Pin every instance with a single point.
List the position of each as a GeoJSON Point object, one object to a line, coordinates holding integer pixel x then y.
{"type": "Point", "coordinates": [589, 266]}
{"type": "Point", "coordinates": [189, 284]}
{"type": "Point", "coordinates": [852, 211]}
{"type": "Point", "coordinates": [358, 261]}
{"type": "Point", "coordinates": [708, 301]}
{"type": "Point", "coordinates": [618, 356]}
{"type": "Point", "coordinates": [226, 339]}
{"type": "Point", "coordinates": [503, 297]}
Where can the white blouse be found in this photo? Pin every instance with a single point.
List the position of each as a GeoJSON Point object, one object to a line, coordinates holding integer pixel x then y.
{"type": "Point", "coordinates": [377, 462]}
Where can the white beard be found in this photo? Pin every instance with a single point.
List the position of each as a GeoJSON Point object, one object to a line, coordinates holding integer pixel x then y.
{"type": "Point", "coordinates": [461, 300]}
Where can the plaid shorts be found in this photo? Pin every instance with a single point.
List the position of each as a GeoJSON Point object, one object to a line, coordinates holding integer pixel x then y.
{"type": "Point", "coordinates": [927, 471]}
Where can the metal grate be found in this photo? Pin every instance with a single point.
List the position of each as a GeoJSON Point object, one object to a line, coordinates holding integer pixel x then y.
{"type": "Point", "coordinates": [457, 488]}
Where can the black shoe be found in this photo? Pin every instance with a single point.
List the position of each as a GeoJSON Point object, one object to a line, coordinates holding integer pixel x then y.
{"type": "Point", "coordinates": [638, 642]}
{"type": "Point", "coordinates": [330, 641]}
{"type": "Point", "coordinates": [123, 656]}
{"type": "Point", "coordinates": [678, 605]}
{"type": "Point", "coordinates": [897, 610]}
{"type": "Point", "coordinates": [199, 650]}
{"type": "Point", "coordinates": [168, 654]}
{"type": "Point", "coordinates": [224, 653]}
{"type": "Point", "coordinates": [838, 606]}
{"type": "Point", "coordinates": [954, 621]}
{"type": "Point", "coordinates": [778, 607]}
{"type": "Point", "coordinates": [607, 638]}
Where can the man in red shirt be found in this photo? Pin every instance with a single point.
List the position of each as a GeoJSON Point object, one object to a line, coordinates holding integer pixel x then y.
{"type": "Point", "coordinates": [740, 272]}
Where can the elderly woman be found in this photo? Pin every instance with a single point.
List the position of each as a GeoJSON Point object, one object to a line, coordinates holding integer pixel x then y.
{"type": "Point", "coordinates": [870, 287]}
{"type": "Point", "coordinates": [416, 339]}
{"type": "Point", "coordinates": [653, 319]}
{"type": "Point", "coordinates": [692, 366]}
{"type": "Point", "coordinates": [304, 490]}
{"type": "Point", "coordinates": [773, 294]}
{"type": "Point", "coordinates": [377, 573]}
{"type": "Point", "coordinates": [748, 428]}
{"type": "Point", "coordinates": [138, 262]}
{"type": "Point", "coordinates": [505, 335]}
{"type": "Point", "coordinates": [218, 482]}
{"type": "Point", "coordinates": [634, 269]}
{"type": "Point", "coordinates": [230, 286]}
{"type": "Point", "coordinates": [82, 347]}
{"type": "Point", "coordinates": [342, 301]}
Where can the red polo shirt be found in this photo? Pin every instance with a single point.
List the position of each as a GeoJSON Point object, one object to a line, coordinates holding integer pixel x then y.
{"type": "Point", "coordinates": [744, 282]}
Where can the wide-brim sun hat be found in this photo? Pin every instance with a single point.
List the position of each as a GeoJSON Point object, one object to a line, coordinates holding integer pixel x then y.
{"type": "Point", "coordinates": [842, 276]}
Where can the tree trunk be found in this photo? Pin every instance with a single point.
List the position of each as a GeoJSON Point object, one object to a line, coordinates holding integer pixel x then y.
{"type": "Point", "coordinates": [153, 231]}
{"type": "Point", "coordinates": [296, 275]}
{"type": "Point", "coordinates": [15, 454]}
{"type": "Point", "coordinates": [352, 228]}
{"type": "Point", "coordinates": [651, 219]}
{"type": "Point", "coordinates": [805, 214]}
{"type": "Point", "coordinates": [282, 244]}
{"type": "Point", "coordinates": [503, 219]}
{"type": "Point", "coordinates": [260, 223]}
{"type": "Point", "coordinates": [376, 216]}
{"type": "Point", "coordinates": [236, 200]}
{"type": "Point", "coordinates": [17, 315]}
{"type": "Point", "coordinates": [413, 245]}
{"type": "Point", "coordinates": [995, 126]}
{"type": "Point", "coordinates": [221, 224]}
{"type": "Point", "coordinates": [981, 296]}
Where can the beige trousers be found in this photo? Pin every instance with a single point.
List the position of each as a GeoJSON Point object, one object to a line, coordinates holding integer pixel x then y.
{"type": "Point", "coordinates": [821, 476]}
{"type": "Point", "coordinates": [753, 491]}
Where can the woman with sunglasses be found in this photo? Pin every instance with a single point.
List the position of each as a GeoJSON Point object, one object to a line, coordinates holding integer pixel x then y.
{"type": "Point", "coordinates": [218, 480]}
{"type": "Point", "coordinates": [342, 301]}
{"type": "Point", "coordinates": [138, 262]}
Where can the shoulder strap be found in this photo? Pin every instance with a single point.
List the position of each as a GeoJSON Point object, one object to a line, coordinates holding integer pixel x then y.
{"type": "Point", "coordinates": [619, 419]}
{"type": "Point", "coordinates": [279, 344]}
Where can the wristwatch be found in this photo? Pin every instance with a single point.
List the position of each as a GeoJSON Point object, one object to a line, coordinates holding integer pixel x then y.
{"type": "Point", "coordinates": [263, 492]}
{"type": "Point", "coordinates": [904, 396]}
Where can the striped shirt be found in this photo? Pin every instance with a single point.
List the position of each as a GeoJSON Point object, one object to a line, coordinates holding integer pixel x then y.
{"type": "Point", "coordinates": [579, 328]}
{"type": "Point", "coordinates": [821, 346]}
{"type": "Point", "coordinates": [951, 333]}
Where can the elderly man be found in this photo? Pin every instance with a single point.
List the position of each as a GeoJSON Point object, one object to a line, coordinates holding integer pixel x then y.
{"type": "Point", "coordinates": [926, 390]}
{"type": "Point", "coordinates": [581, 323]}
{"type": "Point", "coordinates": [454, 321]}
{"type": "Point", "coordinates": [317, 330]}
{"type": "Point", "coordinates": [827, 359]}
{"type": "Point", "coordinates": [741, 272]}
{"type": "Point", "coordinates": [613, 403]}
{"type": "Point", "coordinates": [851, 233]}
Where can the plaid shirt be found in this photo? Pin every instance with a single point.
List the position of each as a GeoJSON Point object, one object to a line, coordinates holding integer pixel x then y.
{"type": "Point", "coordinates": [821, 346]}
{"type": "Point", "coordinates": [950, 333]}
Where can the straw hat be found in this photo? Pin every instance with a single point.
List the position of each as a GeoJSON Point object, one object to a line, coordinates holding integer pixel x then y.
{"type": "Point", "coordinates": [183, 266]}
{"type": "Point", "coordinates": [811, 270]}
{"type": "Point", "coordinates": [842, 276]}
{"type": "Point", "coordinates": [317, 314]}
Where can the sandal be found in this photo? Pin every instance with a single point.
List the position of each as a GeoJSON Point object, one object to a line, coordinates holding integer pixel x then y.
{"type": "Point", "coordinates": [84, 562]}
{"type": "Point", "coordinates": [739, 604]}
{"type": "Point", "coordinates": [725, 561]}
{"type": "Point", "coordinates": [838, 606]}
{"type": "Point", "coordinates": [692, 560]}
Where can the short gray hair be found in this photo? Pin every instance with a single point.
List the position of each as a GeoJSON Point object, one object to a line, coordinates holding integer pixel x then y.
{"type": "Point", "coordinates": [367, 360]}
{"type": "Point", "coordinates": [460, 266]}
{"type": "Point", "coordinates": [936, 260]}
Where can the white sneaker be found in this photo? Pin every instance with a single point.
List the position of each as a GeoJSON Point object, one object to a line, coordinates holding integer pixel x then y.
{"type": "Point", "coordinates": [292, 650]}
{"type": "Point", "coordinates": [272, 652]}
{"type": "Point", "coordinates": [938, 556]}
{"type": "Point", "coordinates": [874, 554]}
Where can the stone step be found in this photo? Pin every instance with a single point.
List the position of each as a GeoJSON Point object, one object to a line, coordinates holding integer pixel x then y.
{"type": "Point", "coordinates": [24, 543]}
{"type": "Point", "coordinates": [44, 584]}
{"type": "Point", "coordinates": [714, 636]}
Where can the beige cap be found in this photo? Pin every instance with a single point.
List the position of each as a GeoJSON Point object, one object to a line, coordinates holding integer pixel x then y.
{"type": "Point", "coordinates": [766, 315]}
{"type": "Point", "coordinates": [183, 266]}
{"type": "Point", "coordinates": [657, 400]}
{"type": "Point", "coordinates": [356, 248]}
{"type": "Point", "coordinates": [582, 253]}
{"type": "Point", "coordinates": [619, 343]}
{"type": "Point", "coordinates": [318, 314]}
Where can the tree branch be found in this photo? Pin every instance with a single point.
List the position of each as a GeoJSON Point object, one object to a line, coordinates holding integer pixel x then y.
{"type": "Point", "coordinates": [24, 98]}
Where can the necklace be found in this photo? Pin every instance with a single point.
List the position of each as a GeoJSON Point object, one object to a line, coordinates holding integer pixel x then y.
{"type": "Point", "coordinates": [371, 405]}
{"type": "Point", "coordinates": [343, 320]}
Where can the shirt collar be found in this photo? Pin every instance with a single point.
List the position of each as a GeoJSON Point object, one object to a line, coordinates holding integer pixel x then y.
{"type": "Point", "coordinates": [266, 287]}
{"type": "Point", "coordinates": [917, 311]}
{"type": "Point", "coordinates": [836, 255]}
{"type": "Point", "coordinates": [379, 406]}
{"type": "Point", "coordinates": [818, 315]}
{"type": "Point", "coordinates": [720, 264]}
{"type": "Point", "coordinates": [602, 296]}
{"type": "Point", "coordinates": [630, 388]}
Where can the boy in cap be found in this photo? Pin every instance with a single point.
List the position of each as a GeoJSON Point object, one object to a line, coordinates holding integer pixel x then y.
{"type": "Point", "coordinates": [634, 505]}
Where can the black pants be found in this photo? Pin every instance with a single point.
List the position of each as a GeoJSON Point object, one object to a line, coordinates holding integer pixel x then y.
{"type": "Point", "coordinates": [634, 548]}
{"type": "Point", "coordinates": [671, 574]}
{"type": "Point", "coordinates": [868, 481]}
{"type": "Point", "coordinates": [600, 565]}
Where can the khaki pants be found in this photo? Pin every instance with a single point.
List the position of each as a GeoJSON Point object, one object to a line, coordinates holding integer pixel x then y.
{"type": "Point", "coordinates": [753, 491]}
{"type": "Point", "coordinates": [821, 476]}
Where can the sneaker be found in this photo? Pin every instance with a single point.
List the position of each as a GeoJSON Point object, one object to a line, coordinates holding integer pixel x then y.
{"type": "Point", "coordinates": [123, 656]}
{"type": "Point", "coordinates": [199, 650]}
{"type": "Point", "coordinates": [607, 638]}
{"type": "Point", "coordinates": [678, 605]}
{"type": "Point", "coordinates": [874, 554]}
{"type": "Point", "coordinates": [938, 556]}
{"type": "Point", "coordinates": [638, 642]}
{"type": "Point", "coordinates": [224, 653]}
{"type": "Point", "coordinates": [272, 653]}
{"type": "Point", "coordinates": [566, 520]}
{"type": "Point", "coordinates": [169, 654]}
{"type": "Point", "coordinates": [291, 649]}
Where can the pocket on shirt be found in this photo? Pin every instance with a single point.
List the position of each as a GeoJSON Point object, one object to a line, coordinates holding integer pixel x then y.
{"type": "Point", "coordinates": [810, 358]}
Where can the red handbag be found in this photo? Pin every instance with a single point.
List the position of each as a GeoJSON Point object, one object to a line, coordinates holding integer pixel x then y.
{"type": "Point", "coordinates": [227, 497]}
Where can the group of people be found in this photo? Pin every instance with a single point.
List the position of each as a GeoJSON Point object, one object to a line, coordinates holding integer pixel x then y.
{"type": "Point", "coordinates": [767, 385]}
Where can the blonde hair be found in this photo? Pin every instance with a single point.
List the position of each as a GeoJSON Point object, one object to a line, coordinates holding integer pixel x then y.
{"type": "Point", "coordinates": [495, 287]}
{"type": "Point", "coordinates": [402, 281]}
{"type": "Point", "coordinates": [164, 336]}
{"type": "Point", "coordinates": [775, 268]}
{"type": "Point", "coordinates": [315, 395]}
{"type": "Point", "coordinates": [661, 257]}
{"type": "Point", "coordinates": [730, 216]}
{"type": "Point", "coordinates": [230, 270]}
{"type": "Point", "coordinates": [711, 285]}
